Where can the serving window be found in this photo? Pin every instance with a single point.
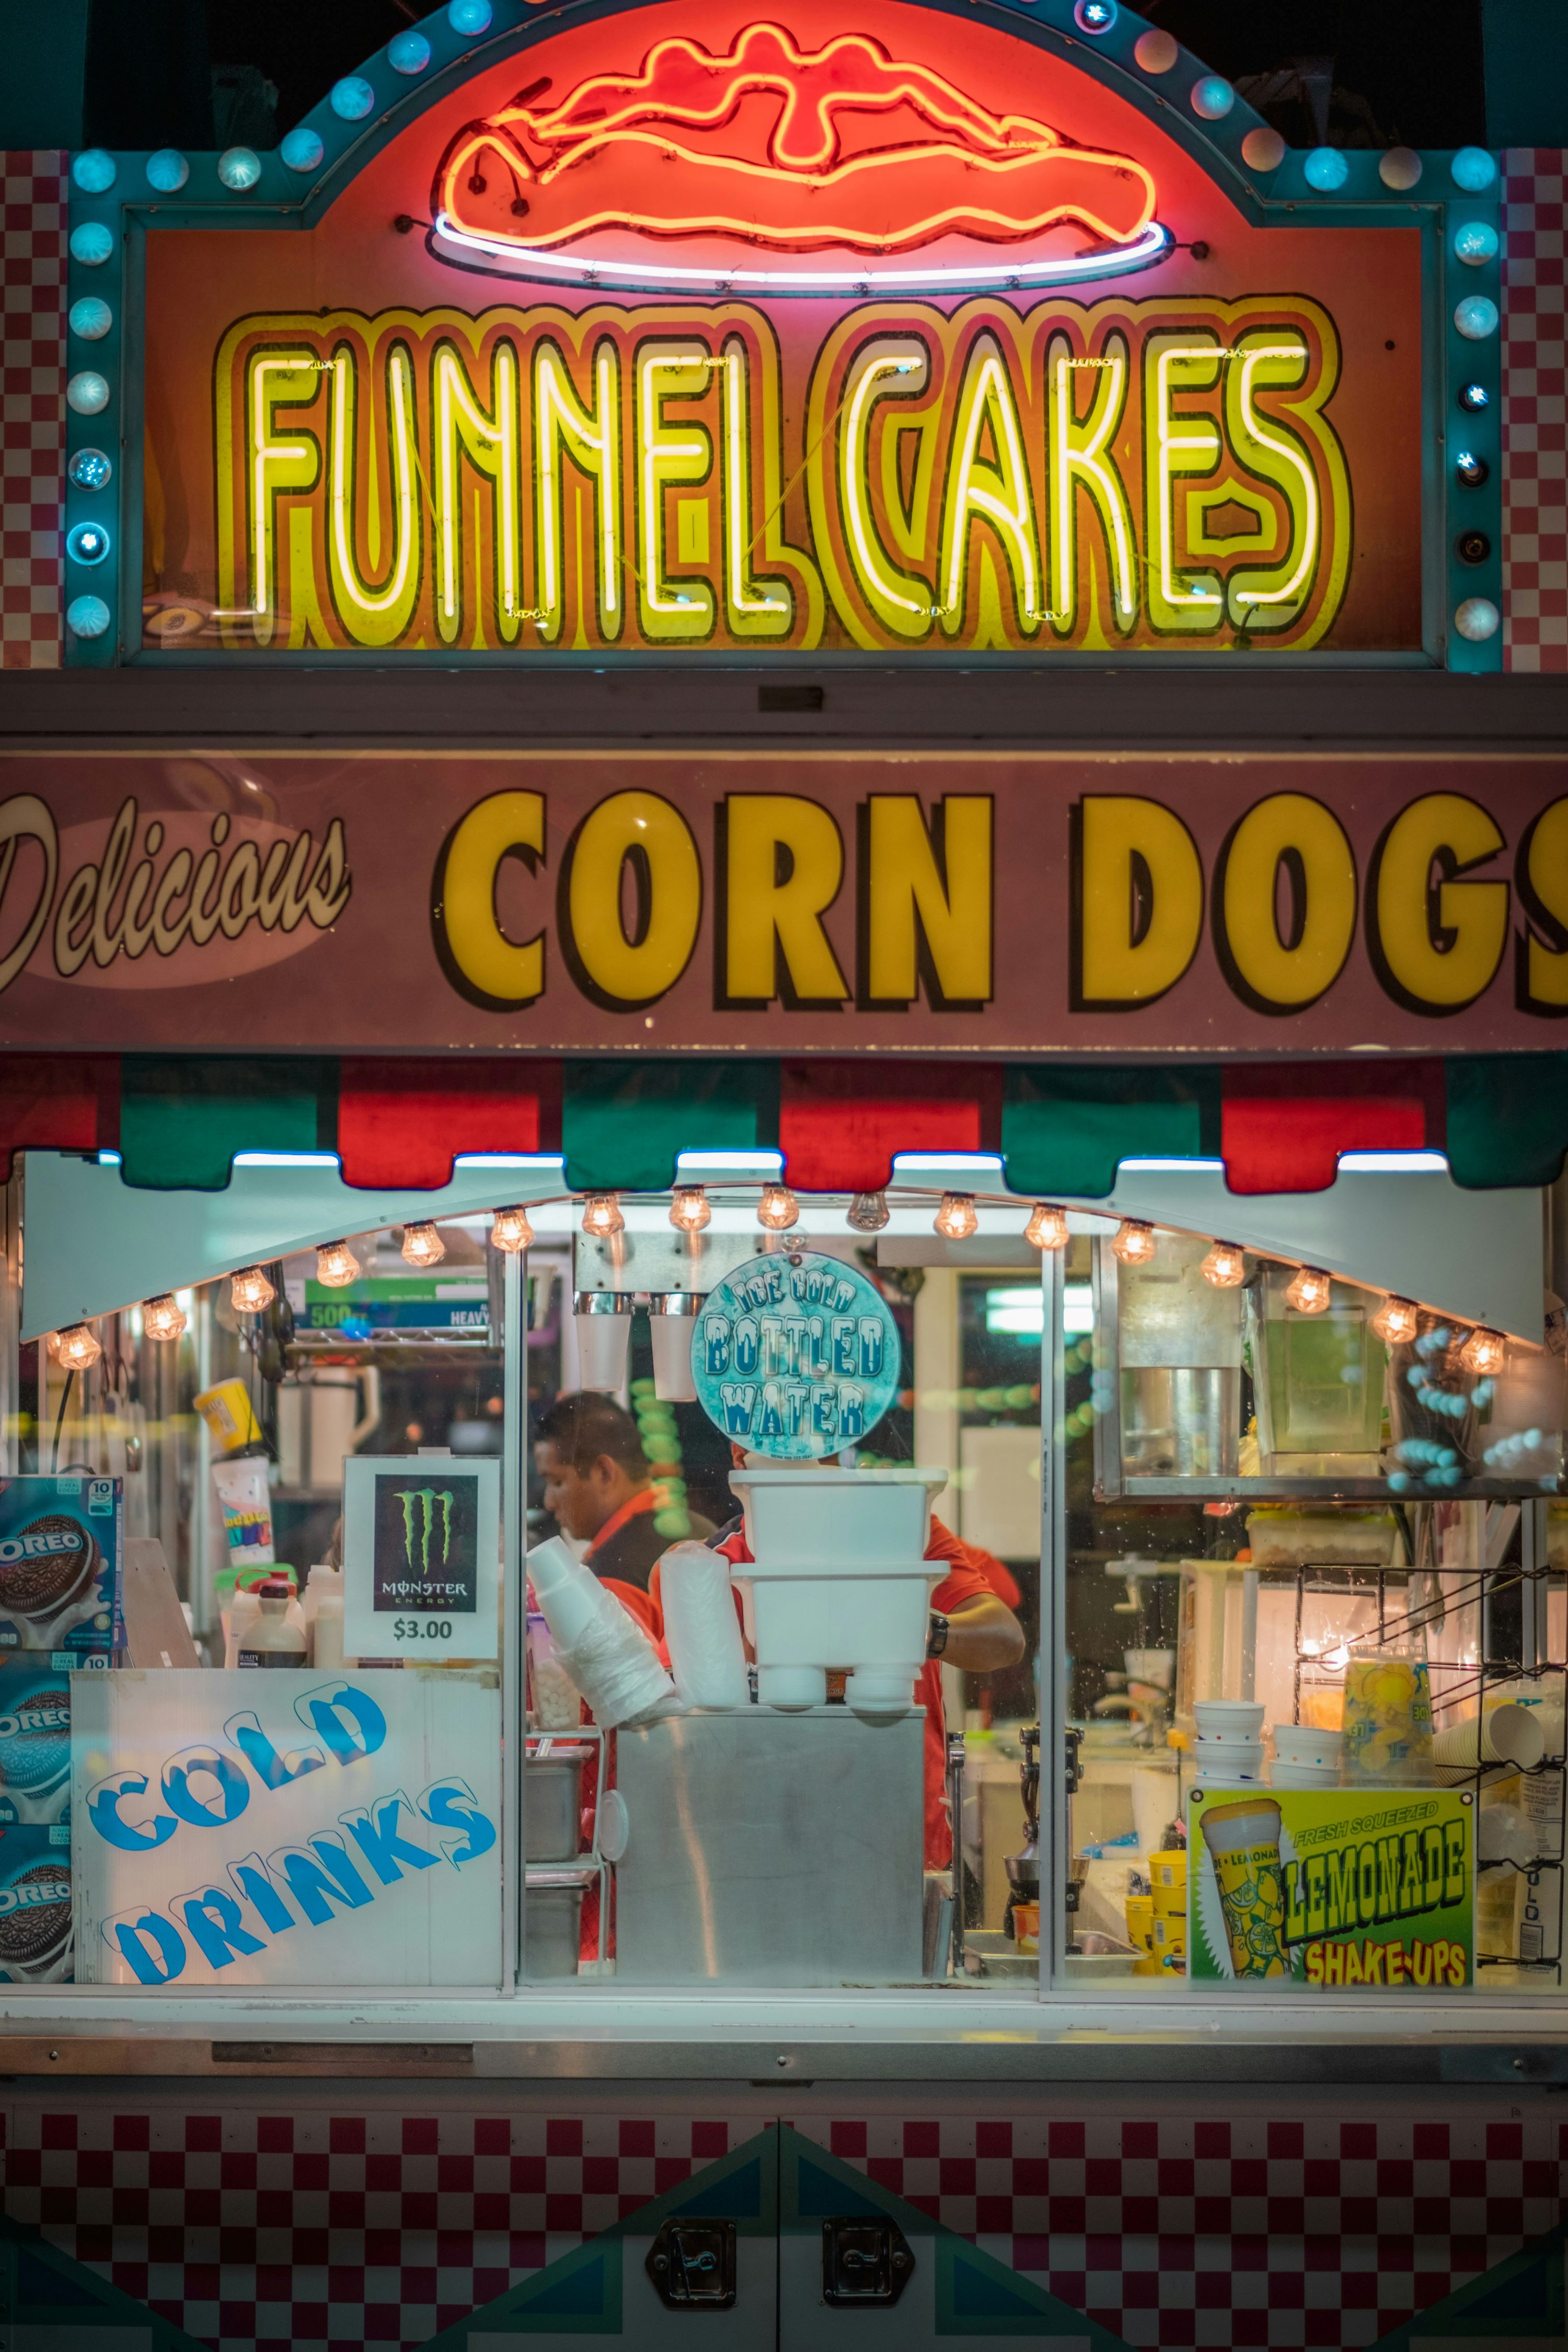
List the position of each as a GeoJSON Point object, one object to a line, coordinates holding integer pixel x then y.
{"type": "Point", "coordinates": [652, 1591]}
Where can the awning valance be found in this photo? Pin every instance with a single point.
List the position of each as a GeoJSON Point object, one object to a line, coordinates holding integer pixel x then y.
{"type": "Point", "coordinates": [621, 1120]}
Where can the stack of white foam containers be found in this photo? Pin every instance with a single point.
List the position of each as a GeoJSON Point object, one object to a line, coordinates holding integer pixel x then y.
{"type": "Point", "coordinates": [837, 1577]}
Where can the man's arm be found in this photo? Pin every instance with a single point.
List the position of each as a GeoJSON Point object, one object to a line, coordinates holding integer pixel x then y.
{"type": "Point", "coordinates": [982, 1633]}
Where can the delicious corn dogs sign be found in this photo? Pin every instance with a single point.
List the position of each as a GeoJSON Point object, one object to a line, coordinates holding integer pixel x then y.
{"type": "Point", "coordinates": [781, 902]}
{"type": "Point", "coordinates": [1339, 1890]}
{"type": "Point", "coordinates": [732, 333]}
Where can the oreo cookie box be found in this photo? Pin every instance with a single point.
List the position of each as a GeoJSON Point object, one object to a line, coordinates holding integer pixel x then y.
{"type": "Point", "coordinates": [60, 1568]}
{"type": "Point", "coordinates": [35, 1738]}
{"type": "Point", "coordinates": [35, 1946]}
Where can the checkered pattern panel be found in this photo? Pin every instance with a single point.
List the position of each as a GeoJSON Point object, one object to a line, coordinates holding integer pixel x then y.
{"type": "Point", "coordinates": [1535, 418]}
{"type": "Point", "coordinates": [1221, 2233]}
{"type": "Point", "coordinates": [32, 407]}
{"type": "Point", "coordinates": [257, 2231]}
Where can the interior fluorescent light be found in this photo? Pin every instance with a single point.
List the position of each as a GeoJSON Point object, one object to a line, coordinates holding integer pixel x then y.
{"type": "Point", "coordinates": [1395, 1163]}
{"type": "Point", "coordinates": [285, 1160]}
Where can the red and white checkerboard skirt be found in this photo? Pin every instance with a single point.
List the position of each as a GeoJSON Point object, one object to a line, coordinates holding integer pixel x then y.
{"type": "Point", "coordinates": [1535, 418]}
{"type": "Point", "coordinates": [264, 2227]}
{"type": "Point", "coordinates": [32, 407]}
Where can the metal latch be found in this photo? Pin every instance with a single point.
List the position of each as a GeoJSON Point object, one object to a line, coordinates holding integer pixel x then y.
{"type": "Point", "coordinates": [693, 2265]}
{"type": "Point", "coordinates": [864, 2261]}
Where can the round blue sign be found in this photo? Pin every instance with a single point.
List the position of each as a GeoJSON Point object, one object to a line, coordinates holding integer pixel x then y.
{"type": "Point", "coordinates": [794, 1355]}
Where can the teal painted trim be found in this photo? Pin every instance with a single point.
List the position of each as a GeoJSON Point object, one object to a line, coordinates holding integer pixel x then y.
{"type": "Point", "coordinates": [581, 2294]}
{"type": "Point", "coordinates": [42, 2290]}
{"type": "Point", "coordinates": [1520, 2302]}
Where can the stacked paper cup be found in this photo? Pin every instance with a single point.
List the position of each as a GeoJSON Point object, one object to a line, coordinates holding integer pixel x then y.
{"type": "Point", "coordinates": [1305, 1758]}
{"type": "Point", "coordinates": [1230, 1740]}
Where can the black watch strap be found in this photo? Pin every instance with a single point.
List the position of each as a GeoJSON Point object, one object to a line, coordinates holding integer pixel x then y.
{"type": "Point", "coordinates": [936, 1639]}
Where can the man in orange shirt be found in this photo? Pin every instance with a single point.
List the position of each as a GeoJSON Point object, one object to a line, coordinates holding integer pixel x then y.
{"type": "Point", "coordinates": [597, 1485]}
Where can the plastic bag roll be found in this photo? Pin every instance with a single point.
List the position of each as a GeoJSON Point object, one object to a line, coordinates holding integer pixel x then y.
{"type": "Point", "coordinates": [706, 1652]}
{"type": "Point", "coordinates": [598, 1644]}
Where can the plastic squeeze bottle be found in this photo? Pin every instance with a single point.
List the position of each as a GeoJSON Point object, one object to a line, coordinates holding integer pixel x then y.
{"type": "Point", "coordinates": [273, 1639]}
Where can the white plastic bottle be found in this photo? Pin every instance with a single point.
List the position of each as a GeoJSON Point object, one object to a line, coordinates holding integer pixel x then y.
{"type": "Point", "coordinates": [323, 1583]}
{"type": "Point", "coordinates": [327, 1628]}
{"type": "Point", "coordinates": [243, 1610]}
{"type": "Point", "coordinates": [274, 1639]}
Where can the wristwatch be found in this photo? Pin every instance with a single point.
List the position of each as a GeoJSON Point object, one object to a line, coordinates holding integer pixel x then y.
{"type": "Point", "coordinates": [936, 1640]}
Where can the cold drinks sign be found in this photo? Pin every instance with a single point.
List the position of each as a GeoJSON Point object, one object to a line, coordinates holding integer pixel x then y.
{"type": "Point", "coordinates": [716, 332]}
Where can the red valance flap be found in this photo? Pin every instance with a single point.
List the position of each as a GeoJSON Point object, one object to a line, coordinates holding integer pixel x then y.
{"type": "Point", "coordinates": [1283, 1126]}
{"type": "Point", "coordinates": [401, 1123]}
{"type": "Point", "coordinates": [840, 1123]}
{"type": "Point", "coordinates": [58, 1102]}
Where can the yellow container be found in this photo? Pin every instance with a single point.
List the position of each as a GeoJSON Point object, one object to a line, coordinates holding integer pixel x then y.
{"type": "Point", "coordinates": [1170, 1936]}
{"type": "Point", "coordinates": [226, 1410]}
{"type": "Point", "coordinates": [1026, 1926]}
{"type": "Point", "coordinates": [1141, 1922]}
{"type": "Point", "coordinates": [1146, 1965]}
{"type": "Point", "coordinates": [1168, 1872]}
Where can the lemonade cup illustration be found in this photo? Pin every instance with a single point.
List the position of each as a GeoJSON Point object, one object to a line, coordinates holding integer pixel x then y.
{"type": "Point", "coordinates": [1242, 1841]}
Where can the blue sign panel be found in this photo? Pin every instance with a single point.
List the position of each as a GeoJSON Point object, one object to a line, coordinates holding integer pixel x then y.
{"type": "Point", "coordinates": [795, 1355]}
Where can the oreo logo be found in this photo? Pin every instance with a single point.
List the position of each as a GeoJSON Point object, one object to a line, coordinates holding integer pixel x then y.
{"type": "Point", "coordinates": [47, 1566]}
{"type": "Point", "coordinates": [34, 1730]}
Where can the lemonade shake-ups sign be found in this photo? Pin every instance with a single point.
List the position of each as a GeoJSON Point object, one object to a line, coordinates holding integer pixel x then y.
{"type": "Point", "coordinates": [1335, 1889]}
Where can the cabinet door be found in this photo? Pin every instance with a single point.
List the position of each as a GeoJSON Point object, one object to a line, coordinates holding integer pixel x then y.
{"type": "Point", "coordinates": [697, 2267]}
{"type": "Point", "coordinates": [861, 2268]}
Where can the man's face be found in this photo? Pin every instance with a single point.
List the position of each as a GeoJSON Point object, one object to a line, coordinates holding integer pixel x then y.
{"type": "Point", "coordinates": [575, 1498]}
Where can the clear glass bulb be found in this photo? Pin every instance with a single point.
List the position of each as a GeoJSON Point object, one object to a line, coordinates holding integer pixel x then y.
{"type": "Point", "coordinates": [79, 1349]}
{"type": "Point", "coordinates": [602, 1215]}
{"type": "Point", "coordinates": [869, 1212]}
{"type": "Point", "coordinates": [1484, 1353]}
{"type": "Point", "coordinates": [1396, 1321]}
{"type": "Point", "coordinates": [164, 1318]}
{"type": "Point", "coordinates": [1224, 1267]}
{"type": "Point", "coordinates": [336, 1266]}
{"type": "Point", "coordinates": [956, 1219]}
{"type": "Point", "coordinates": [250, 1291]}
{"type": "Point", "coordinates": [1046, 1228]}
{"type": "Point", "coordinates": [423, 1246]}
{"type": "Point", "coordinates": [1135, 1242]}
{"type": "Point", "coordinates": [688, 1210]}
{"type": "Point", "coordinates": [778, 1209]}
{"type": "Point", "coordinates": [1309, 1293]}
{"type": "Point", "coordinates": [510, 1231]}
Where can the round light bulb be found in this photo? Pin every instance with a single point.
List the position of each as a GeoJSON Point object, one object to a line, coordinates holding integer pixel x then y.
{"type": "Point", "coordinates": [869, 1212]}
{"type": "Point", "coordinates": [1263, 150]}
{"type": "Point", "coordinates": [250, 1291]}
{"type": "Point", "coordinates": [1484, 1353]}
{"type": "Point", "coordinates": [688, 1210]}
{"type": "Point", "coordinates": [1047, 1227]}
{"type": "Point", "coordinates": [1213, 98]}
{"type": "Point", "coordinates": [86, 616]}
{"type": "Point", "coordinates": [602, 1215]}
{"type": "Point", "coordinates": [1476, 317]}
{"type": "Point", "coordinates": [87, 544]}
{"type": "Point", "coordinates": [1473, 170]}
{"type": "Point", "coordinates": [1399, 168]}
{"type": "Point", "coordinates": [78, 1348]}
{"type": "Point", "coordinates": [167, 171]}
{"type": "Point", "coordinates": [1325, 169]}
{"type": "Point", "coordinates": [1475, 243]}
{"type": "Point", "coordinates": [1156, 50]}
{"type": "Point", "coordinates": [92, 318]}
{"type": "Point", "coordinates": [1224, 1267]}
{"type": "Point", "coordinates": [422, 1244]}
{"type": "Point", "coordinates": [510, 1231]}
{"type": "Point", "coordinates": [91, 244]}
{"type": "Point", "coordinates": [91, 469]}
{"type": "Point", "coordinates": [164, 1318]}
{"type": "Point", "coordinates": [336, 1266]}
{"type": "Point", "coordinates": [303, 148]}
{"type": "Point", "coordinates": [1477, 619]}
{"type": "Point", "coordinates": [778, 1209]}
{"type": "Point", "coordinates": [408, 53]}
{"type": "Point", "coordinates": [1309, 1293]}
{"type": "Point", "coordinates": [351, 99]}
{"type": "Point", "coordinates": [1135, 1242]}
{"type": "Point", "coordinates": [956, 1218]}
{"type": "Point", "coordinates": [239, 168]}
{"type": "Point", "coordinates": [1396, 1322]}
{"type": "Point", "coordinates": [93, 171]}
{"type": "Point", "coordinates": [88, 392]}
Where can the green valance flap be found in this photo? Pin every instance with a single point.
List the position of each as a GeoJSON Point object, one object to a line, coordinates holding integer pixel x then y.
{"type": "Point", "coordinates": [624, 1121]}
{"type": "Point", "coordinates": [1507, 1118]}
{"type": "Point", "coordinates": [183, 1119]}
{"type": "Point", "coordinates": [1066, 1131]}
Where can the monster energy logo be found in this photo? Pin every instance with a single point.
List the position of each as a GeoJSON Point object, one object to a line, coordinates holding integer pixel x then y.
{"type": "Point", "coordinates": [421, 1507]}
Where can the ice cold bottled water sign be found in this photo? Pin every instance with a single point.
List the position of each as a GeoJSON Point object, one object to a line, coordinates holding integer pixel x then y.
{"type": "Point", "coordinates": [796, 1356]}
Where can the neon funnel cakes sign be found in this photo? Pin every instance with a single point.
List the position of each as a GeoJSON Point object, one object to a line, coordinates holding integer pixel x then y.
{"type": "Point", "coordinates": [767, 165]}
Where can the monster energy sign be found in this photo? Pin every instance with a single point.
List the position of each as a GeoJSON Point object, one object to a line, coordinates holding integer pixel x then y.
{"type": "Point", "coordinates": [420, 1540]}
